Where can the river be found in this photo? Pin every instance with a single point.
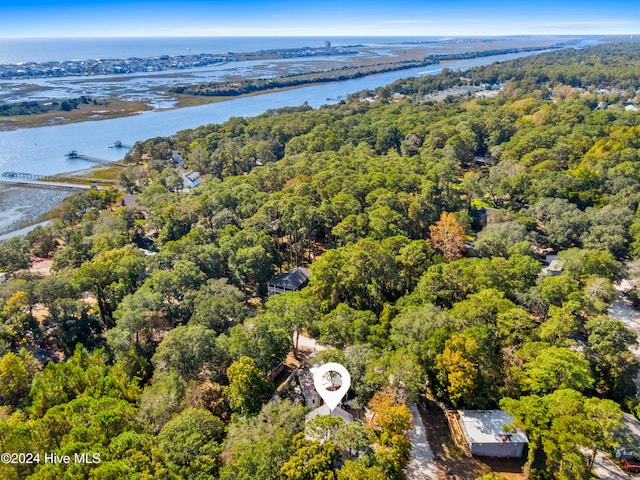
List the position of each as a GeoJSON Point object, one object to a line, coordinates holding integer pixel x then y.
{"type": "Point", "coordinates": [42, 150]}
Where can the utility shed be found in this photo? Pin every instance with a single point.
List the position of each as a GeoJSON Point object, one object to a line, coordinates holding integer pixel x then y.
{"type": "Point", "coordinates": [289, 281]}
{"type": "Point", "coordinates": [486, 436]}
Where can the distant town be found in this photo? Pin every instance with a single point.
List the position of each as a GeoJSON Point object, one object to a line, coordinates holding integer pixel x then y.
{"type": "Point", "coordinates": [159, 63]}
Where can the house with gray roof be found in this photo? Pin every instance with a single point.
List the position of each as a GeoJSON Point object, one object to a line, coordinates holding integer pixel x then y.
{"type": "Point", "coordinates": [289, 281]}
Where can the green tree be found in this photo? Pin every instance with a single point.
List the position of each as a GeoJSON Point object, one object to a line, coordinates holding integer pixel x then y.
{"type": "Point", "coordinates": [614, 366]}
{"type": "Point", "coordinates": [248, 387]}
{"type": "Point", "coordinates": [217, 305]}
{"type": "Point", "coordinates": [82, 373]}
{"type": "Point", "coordinates": [583, 263]}
{"type": "Point", "coordinates": [345, 326]}
{"type": "Point", "coordinates": [258, 446]}
{"type": "Point", "coordinates": [13, 255]}
{"type": "Point", "coordinates": [360, 469]}
{"type": "Point", "coordinates": [556, 368]}
{"type": "Point", "coordinates": [191, 352]}
{"type": "Point", "coordinates": [468, 368]}
{"type": "Point", "coordinates": [137, 317]}
{"type": "Point", "coordinates": [191, 441]}
{"type": "Point", "coordinates": [312, 460]}
{"type": "Point", "coordinates": [16, 374]}
{"type": "Point", "coordinates": [293, 312]}
{"type": "Point", "coordinates": [161, 400]}
{"type": "Point", "coordinates": [259, 339]}
{"type": "Point", "coordinates": [563, 424]}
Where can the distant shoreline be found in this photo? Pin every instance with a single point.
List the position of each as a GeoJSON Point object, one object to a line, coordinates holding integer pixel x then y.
{"type": "Point", "coordinates": [118, 66]}
{"type": "Point", "coordinates": [202, 93]}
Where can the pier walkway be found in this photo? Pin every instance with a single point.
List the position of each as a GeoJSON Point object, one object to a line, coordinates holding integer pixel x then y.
{"type": "Point", "coordinates": [75, 155]}
{"type": "Point", "coordinates": [34, 182]}
{"type": "Point", "coordinates": [28, 176]}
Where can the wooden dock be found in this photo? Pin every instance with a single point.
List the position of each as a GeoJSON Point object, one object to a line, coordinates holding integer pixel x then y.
{"type": "Point", "coordinates": [75, 155]}
{"type": "Point", "coordinates": [25, 182]}
{"type": "Point", "coordinates": [22, 175]}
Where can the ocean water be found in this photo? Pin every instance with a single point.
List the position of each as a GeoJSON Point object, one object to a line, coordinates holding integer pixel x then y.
{"type": "Point", "coordinates": [22, 50]}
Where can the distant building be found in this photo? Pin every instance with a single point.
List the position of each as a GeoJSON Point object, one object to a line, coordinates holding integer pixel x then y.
{"type": "Point", "coordinates": [483, 161]}
{"type": "Point", "coordinates": [289, 281]}
{"type": "Point", "coordinates": [553, 266]}
{"type": "Point", "coordinates": [191, 179]}
{"type": "Point", "coordinates": [129, 200]}
{"type": "Point", "coordinates": [486, 434]}
{"type": "Point", "coordinates": [177, 159]}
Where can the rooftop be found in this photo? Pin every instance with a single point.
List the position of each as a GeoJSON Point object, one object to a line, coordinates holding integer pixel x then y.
{"type": "Point", "coordinates": [305, 378]}
{"type": "Point", "coordinates": [488, 426]}
{"type": "Point", "coordinates": [292, 279]}
{"type": "Point", "coordinates": [324, 410]}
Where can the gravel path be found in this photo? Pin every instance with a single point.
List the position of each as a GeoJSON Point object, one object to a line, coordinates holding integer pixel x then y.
{"type": "Point", "coordinates": [622, 309]}
{"type": "Point", "coordinates": [421, 462]}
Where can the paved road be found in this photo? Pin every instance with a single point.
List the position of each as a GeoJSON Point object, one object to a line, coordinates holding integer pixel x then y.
{"type": "Point", "coordinates": [309, 344]}
{"type": "Point", "coordinates": [604, 468]}
{"type": "Point", "coordinates": [421, 462]}
{"type": "Point", "coordinates": [622, 309]}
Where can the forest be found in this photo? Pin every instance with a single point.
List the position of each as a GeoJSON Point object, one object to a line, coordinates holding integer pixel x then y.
{"type": "Point", "coordinates": [35, 107]}
{"type": "Point", "coordinates": [246, 86]}
{"type": "Point", "coordinates": [424, 225]}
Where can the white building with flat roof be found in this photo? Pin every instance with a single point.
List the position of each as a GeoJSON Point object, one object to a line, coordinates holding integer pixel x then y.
{"type": "Point", "coordinates": [488, 436]}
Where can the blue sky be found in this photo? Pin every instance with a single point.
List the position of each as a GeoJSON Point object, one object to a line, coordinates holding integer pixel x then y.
{"type": "Point", "coordinates": [65, 18]}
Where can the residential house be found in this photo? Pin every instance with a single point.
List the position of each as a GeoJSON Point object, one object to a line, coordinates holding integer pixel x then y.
{"type": "Point", "coordinates": [191, 179]}
{"type": "Point", "coordinates": [289, 281]}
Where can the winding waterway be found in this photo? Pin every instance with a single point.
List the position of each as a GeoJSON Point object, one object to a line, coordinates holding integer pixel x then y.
{"type": "Point", "coordinates": [41, 150]}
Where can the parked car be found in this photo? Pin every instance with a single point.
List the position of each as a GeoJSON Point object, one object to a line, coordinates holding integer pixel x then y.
{"type": "Point", "coordinates": [630, 464]}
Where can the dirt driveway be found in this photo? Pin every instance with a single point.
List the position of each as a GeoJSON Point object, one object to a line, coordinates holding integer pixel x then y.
{"type": "Point", "coordinates": [452, 460]}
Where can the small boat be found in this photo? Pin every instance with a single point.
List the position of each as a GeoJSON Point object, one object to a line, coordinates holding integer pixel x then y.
{"type": "Point", "coordinates": [118, 144]}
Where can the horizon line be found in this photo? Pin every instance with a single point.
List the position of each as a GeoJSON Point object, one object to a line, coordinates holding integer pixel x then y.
{"type": "Point", "coordinates": [373, 35]}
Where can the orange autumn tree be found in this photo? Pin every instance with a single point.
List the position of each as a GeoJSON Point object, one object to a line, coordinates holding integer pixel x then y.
{"type": "Point", "coordinates": [447, 236]}
{"type": "Point", "coordinates": [390, 420]}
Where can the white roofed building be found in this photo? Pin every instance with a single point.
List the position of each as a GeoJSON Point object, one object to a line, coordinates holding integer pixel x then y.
{"type": "Point", "coordinates": [191, 179]}
{"type": "Point", "coordinates": [487, 433]}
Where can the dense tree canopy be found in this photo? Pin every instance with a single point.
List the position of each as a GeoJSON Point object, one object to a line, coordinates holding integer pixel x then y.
{"type": "Point", "coordinates": [425, 225]}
